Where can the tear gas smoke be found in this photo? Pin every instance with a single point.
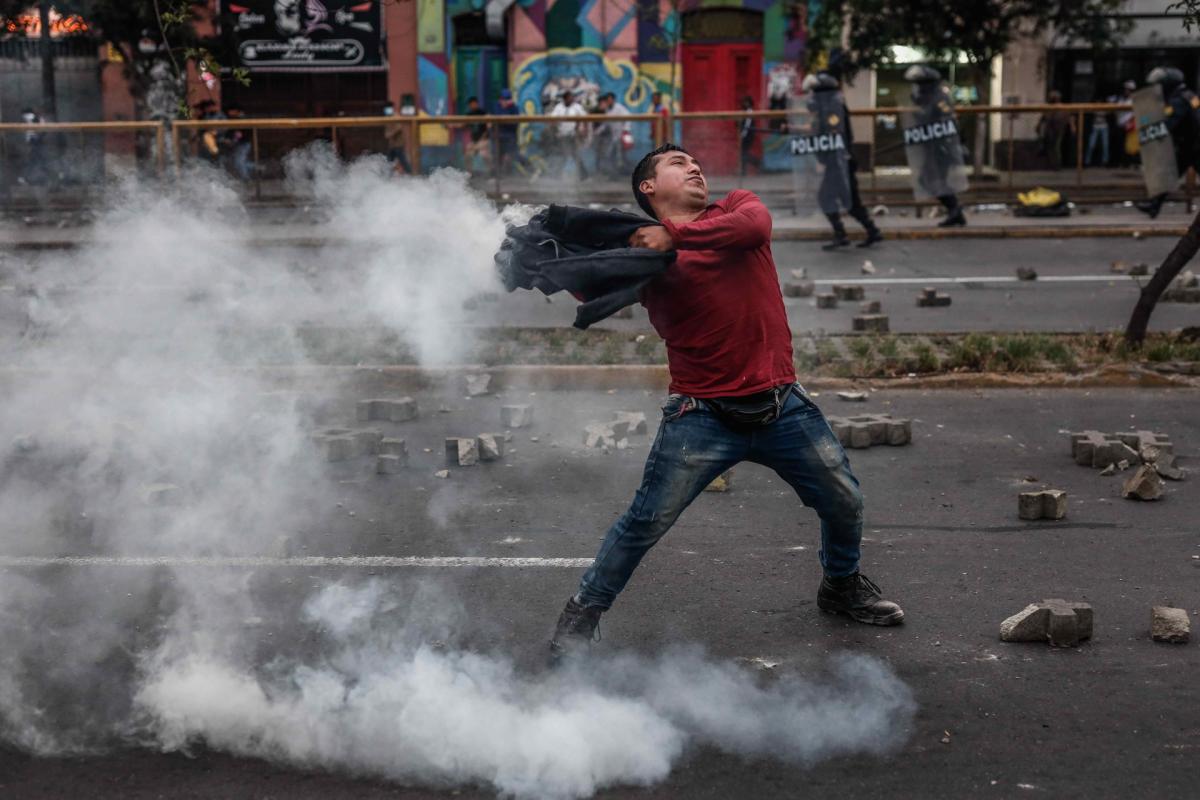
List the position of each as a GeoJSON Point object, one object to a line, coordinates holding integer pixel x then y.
{"type": "Point", "coordinates": [138, 422]}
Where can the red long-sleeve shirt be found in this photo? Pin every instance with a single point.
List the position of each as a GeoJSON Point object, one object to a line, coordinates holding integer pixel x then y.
{"type": "Point", "coordinates": [718, 307]}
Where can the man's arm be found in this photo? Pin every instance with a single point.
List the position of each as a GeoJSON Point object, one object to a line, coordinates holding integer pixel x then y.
{"type": "Point", "coordinates": [746, 224]}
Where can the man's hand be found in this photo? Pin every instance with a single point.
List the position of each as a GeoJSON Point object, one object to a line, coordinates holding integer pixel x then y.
{"type": "Point", "coordinates": [653, 237]}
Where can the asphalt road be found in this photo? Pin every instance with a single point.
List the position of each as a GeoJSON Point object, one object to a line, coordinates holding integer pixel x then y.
{"type": "Point", "coordinates": [1114, 718]}
{"type": "Point", "coordinates": [979, 276]}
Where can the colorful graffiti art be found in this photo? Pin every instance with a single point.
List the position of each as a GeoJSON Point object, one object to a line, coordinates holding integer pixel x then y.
{"type": "Point", "coordinates": [539, 81]}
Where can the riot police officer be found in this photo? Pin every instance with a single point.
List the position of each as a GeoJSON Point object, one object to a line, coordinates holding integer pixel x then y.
{"type": "Point", "coordinates": [1182, 119]}
{"type": "Point", "coordinates": [830, 113]}
{"type": "Point", "coordinates": [932, 143]}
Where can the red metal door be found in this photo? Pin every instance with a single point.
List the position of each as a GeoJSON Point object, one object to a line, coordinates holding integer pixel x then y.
{"type": "Point", "coordinates": [715, 78]}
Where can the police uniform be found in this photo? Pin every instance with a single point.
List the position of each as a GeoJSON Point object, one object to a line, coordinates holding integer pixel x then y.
{"type": "Point", "coordinates": [1183, 123]}
{"type": "Point", "coordinates": [932, 101]}
{"type": "Point", "coordinates": [839, 120]}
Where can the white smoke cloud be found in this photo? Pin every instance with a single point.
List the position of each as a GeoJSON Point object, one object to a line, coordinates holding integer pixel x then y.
{"type": "Point", "coordinates": [413, 712]}
{"type": "Point", "coordinates": [138, 422]}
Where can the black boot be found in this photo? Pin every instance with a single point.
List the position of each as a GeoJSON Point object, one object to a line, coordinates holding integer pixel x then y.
{"type": "Point", "coordinates": [840, 239]}
{"type": "Point", "coordinates": [954, 218]}
{"type": "Point", "coordinates": [856, 596]}
{"type": "Point", "coordinates": [863, 217]}
{"type": "Point", "coordinates": [577, 625]}
{"type": "Point", "coordinates": [1151, 206]}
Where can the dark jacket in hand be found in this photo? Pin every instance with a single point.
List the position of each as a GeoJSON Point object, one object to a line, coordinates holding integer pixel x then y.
{"type": "Point", "coordinates": [584, 252]}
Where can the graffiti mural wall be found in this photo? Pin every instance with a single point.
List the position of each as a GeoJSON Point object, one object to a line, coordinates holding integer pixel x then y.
{"type": "Point", "coordinates": [628, 47]}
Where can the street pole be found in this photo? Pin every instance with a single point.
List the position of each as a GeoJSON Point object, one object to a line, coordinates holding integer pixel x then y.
{"type": "Point", "coordinates": [49, 95]}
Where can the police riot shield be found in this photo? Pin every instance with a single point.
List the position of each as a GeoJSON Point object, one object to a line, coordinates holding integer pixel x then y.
{"type": "Point", "coordinates": [1159, 168]}
{"type": "Point", "coordinates": [932, 145]}
{"type": "Point", "coordinates": [820, 158]}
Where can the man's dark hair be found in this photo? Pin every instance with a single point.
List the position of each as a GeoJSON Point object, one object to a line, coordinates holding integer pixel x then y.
{"type": "Point", "coordinates": [472, 99]}
{"type": "Point", "coordinates": [646, 169]}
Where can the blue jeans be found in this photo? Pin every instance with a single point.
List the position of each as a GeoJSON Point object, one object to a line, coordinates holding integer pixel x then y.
{"type": "Point", "coordinates": [693, 446]}
{"type": "Point", "coordinates": [1099, 136]}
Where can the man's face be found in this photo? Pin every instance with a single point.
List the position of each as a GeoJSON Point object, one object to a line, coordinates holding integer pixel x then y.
{"type": "Point", "coordinates": [677, 181]}
{"type": "Point", "coordinates": [568, 99]}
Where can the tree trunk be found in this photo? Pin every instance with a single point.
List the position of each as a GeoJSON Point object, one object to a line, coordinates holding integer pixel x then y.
{"type": "Point", "coordinates": [49, 94]}
{"type": "Point", "coordinates": [1183, 252]}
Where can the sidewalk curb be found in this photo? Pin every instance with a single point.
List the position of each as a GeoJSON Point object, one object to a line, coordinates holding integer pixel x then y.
{"type": "Point", "coordinates": [784, 235]}
{"type": "Point", "coordinates": [655, 377]}
{"type": "Point", "coordinates": [994, 232]}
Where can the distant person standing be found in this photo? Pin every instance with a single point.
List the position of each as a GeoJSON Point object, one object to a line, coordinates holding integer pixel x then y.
{"type": "Point", "coordinates": [1052, 129]}
{"type": "Point", "coordinates": [396, 136]}
{"type": "Point", "coordinates": [614, 138]}
{"type": "Point", "coordinates": [507, 138]}
{"type": "Point", "coordinates": [569, 135]}
{"type": "Point", "coordinates": [34, 170]}
{"type": "Point", "coordinates": [1098, 138]}
{"type": "Point", "coordinates": [238, 145]}
{"type": "Point", "coordinates": [663, 111]}
{"type": "Point", "coordinates": [477, 136]}
{"type": "Point", "coordinates": [748, 134]}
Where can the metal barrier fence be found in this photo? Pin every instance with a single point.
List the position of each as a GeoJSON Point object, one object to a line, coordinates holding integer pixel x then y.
{"type": "Point", "coordinates": [501, 149]}
{"type": "Point", "coordinates": [62, 153]}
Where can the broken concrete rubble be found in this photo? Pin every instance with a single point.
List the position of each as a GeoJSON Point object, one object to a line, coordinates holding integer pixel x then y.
{"type": "Point", "coordinates": [605, 434]}
{"type": "Point", "coordinates": [393, 447]}
{"type": "Point", "coordinates": [827, 300]}
{"type": "Point", "coordinates": [1058, 622]}
{"type": "Point", "coordinates": [1026, 274]}
{"type": "Point", "coordinates": [853, 397]}
{"type": "Point", "coordinates": [476, 385]}
{"type": "Point", "coordinates": [1046, 504]}
{"type": "Point", "coordinates": [873, 323]}
{"type": "Point", "coordinates": [1144, 485]}
{"type": "Point", "coordinates": [1098, 450]}
{"type": "Point", "coordinates": [389, 465]}
{"type": "Point", "coordinates": [516, 416]}
{"type": "Point", "coordinates": [932, 298]}
{"type": "Point", "coordinates": [461, 452]}
{"type": "Point", "coordinates": [490, 446]}
{"type": "Point", "coordinates": [870, 307]}
{"type": "Point", "coordinates": [1170, 625]}
{"type": "Point", "coordinates": [635, 421]}
{"type": "Point", "coordinates": [400, 409]}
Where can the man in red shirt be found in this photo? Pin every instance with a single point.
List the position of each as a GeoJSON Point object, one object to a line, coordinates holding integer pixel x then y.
{"type": "Point", "coordinates": [733, 396]}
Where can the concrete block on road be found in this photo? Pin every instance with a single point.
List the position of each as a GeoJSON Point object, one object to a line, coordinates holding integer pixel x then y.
{"type": "Point", "coordinates": [799, 288]}
{"type": "Point", "coordinates": [1139, 270]}
{"type": "Point", "coordinates": [389, 465]}
{"type": "Point", "coordinates": [490, 446]}
{"type": "Point", "coordinates": [339, 448]}
{"type": "Point", "coordinates": [1058, 622]}
{"type": "Point", "coordinates": [1170, 625]}
{"type": "Point", "coordinates": [870, 307]}
{"type": "Point", "coordinates": [852, 397]}
{"type": "Point", "coordinates": [634, 421]}
{"type": "Point", "coordinates": [1047, 504]}
{"type": "Point", "coordinates": [932, 298]}
{"type": "Point", "coordinates": [873, 323]}
{"type": "Point", "coordinates": [1145, 484]}
{"type": "Point", "coordinates": [867, 430]}
{"type": "Point", "coordinates": [847, 293]}
{"type": "Point", "coordinates": [476, 385]}
{"type": "Point", "coordinates": [400, 409]}
{"type": "Point", "coordinates": [518, 416]}
{"type": "Point", "coordinates": [1026, 274]}
{"type": "Point", "coordinates": [393, 447]}
{"type": "Point", "coordinates": [461, 452]}
{"type": "Point", "coordinates": [601, 435]}
{"type": "Point", "coordinates": [827, 300]}
{"type": "Point", "coordinates": [368, 441]}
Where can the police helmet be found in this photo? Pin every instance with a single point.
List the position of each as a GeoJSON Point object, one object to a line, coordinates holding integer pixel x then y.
{"type": "Point", "coordinates": [819, 82]}
{"type": "Point", "coordinates": [1167, 76]}
{"type": "Point", "coordinates": [921, 73]}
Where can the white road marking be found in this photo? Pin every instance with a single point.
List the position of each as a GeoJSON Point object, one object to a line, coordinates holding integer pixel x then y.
{"type": "Point", "coordinates": [984, 279]}
{"type": "Point", "coordinates": [384, 562]}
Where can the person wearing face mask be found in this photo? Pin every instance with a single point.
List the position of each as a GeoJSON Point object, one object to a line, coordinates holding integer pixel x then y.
{"type": "Point", "coordinates": [733, 396]}
{"type": "Point", "coordinates": [397, 135]}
